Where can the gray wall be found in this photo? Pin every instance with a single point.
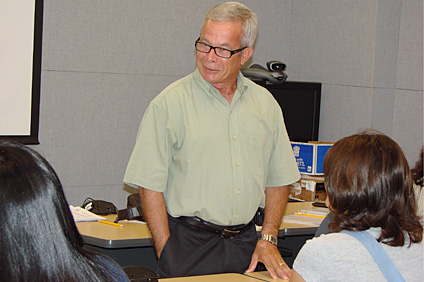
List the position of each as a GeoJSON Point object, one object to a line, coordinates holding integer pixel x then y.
{"type": "Point", "coordinates": [104, 60]}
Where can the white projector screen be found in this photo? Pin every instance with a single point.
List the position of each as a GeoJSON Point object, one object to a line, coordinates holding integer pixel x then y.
{"type": "Point", "coordinates": [20, 69]}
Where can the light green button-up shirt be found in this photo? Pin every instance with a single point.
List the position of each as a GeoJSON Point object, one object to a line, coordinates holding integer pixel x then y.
{"type": "Point", "coordinates": [209, 158]}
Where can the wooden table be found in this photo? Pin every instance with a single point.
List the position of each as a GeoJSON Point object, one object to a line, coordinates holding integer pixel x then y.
{"type": "Point", "coordinates": [132, 244]}
{"type": "Point", "coordinates": [226, 277]}
{"type": "Point", "coordinates": [138, 235]}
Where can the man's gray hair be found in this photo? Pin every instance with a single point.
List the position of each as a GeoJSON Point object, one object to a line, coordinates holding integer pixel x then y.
{"type": "Point", "coordinates": [235, 12]}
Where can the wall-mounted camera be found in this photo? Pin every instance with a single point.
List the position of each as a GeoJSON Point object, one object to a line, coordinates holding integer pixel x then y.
{"type": "Point", "coordinates": [275, 74]}
{"type": "Point", "coordinates": [276, 66]}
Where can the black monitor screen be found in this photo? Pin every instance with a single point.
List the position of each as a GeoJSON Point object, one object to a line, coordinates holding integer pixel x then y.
{"type": "Point", "coordinates": [300, 102]}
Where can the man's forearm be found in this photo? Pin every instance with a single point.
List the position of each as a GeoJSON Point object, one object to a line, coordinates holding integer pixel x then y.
{"type": "Point", "coordinates": [156, 216]}
{"type": "Point", "coordinates": [275, 203]}
{"type": "Point", "coordinates": [276, 199]}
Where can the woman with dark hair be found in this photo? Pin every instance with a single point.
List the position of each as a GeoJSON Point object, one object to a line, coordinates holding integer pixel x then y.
{"type": "Point", "coordinates": [370, 192]}
{"type": "Point", "coordinates": [39, 239]}
{"type": "Point", "coordinates": [417, 173]}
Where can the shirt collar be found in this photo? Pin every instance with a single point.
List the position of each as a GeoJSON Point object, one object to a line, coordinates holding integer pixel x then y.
{"type": "Point", "coordinates": [242, 86]}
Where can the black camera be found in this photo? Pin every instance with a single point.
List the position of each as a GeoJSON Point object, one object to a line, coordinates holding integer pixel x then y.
{"type": "Point", "coordinates": [275, 74]}
{"type": "Point", "coordinates": [276, 66]}
{"type": "Point", "coordinates": [99, 207]}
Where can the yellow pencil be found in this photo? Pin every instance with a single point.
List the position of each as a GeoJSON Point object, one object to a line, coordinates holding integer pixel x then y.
{"type": "Point", "coordinates": [312, 215]}
{"type": "Point", "coordinates": [111, 223]}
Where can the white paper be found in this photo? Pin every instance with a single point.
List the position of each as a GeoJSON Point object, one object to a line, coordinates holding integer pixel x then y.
{"type": "Point", "coordinates": [300, 219]}
{"type": "Point", "coordinates": [317, 211]}
{"type": "Point", "coordinates": [81, 214]}
{"type": "Point", "coordinates": [135, 221]}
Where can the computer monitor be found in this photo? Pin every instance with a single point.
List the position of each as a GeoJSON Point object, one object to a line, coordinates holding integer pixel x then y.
{"type": "Point", "coordinates": [300, 103]}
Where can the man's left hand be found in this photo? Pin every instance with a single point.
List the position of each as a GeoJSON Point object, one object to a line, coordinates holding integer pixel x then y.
{"type": "Point", "coordinates": [270, 256]}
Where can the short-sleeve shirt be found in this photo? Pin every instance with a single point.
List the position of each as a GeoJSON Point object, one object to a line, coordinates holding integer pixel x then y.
{"type": "Point", "coordinates": [212, 159]}
{"type": "Point", "coordinates": [341, 257]}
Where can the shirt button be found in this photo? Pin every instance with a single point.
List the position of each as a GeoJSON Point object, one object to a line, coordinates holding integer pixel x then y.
{"type": "Point", "coordinates": [236, 216]}
{"type": "Point", "coordinates": [234, 137]}
{"type": "Point", "coordinates": [237, 163]}
{"type": "Point", "coordinates": [238, 192]}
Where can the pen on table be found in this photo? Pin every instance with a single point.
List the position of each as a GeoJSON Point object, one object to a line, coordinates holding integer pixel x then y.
{"type": "Point", "coordinates": [311, 215]}
{"type": "Point", "coordinates": [111, 223]}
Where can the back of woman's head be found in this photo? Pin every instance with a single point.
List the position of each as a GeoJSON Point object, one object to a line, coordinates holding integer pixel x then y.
{"type": "Point", "coordinates": [369, 184]}
{"type": "Point", "coordinates": [39, 239]}
{"type": "Point", "coordinates": [417, 171]}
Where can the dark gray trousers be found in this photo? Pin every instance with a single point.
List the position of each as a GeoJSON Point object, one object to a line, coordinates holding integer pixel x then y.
{"type": "Point", "coordinates": [192, 251]}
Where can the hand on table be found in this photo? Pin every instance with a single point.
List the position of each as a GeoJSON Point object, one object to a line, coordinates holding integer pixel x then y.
{"type": "Point", "coordinates": [270, 256]}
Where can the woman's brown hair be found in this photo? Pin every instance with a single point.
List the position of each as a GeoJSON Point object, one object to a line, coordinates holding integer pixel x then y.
{"type": "Point", "coordinates": [369, 184]}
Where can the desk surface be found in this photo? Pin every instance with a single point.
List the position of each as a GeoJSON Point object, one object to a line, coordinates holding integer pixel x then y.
{"type": "Point", "coordinates": [264, 276]}
{"type": "Point", "coordinates": [233, 277]}
{"type": "Point", "coordinates": [111, 237]}
{"type": "Point", "coordinates": [138, 235]}
{"type": "Point", "coordinates": [294, 229]}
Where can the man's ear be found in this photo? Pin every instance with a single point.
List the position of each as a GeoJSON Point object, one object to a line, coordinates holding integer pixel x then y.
{"type": "Point", "coordinates": [246, 54]}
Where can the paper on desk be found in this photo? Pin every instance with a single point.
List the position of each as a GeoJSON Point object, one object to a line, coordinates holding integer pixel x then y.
{"type": "Point", "coordinates": [135, 221]}
{"type": "Point", "coordinates": [81, 214]}
{"type": "Point", "coordinates": [323, 212]}
{"type": "Point", "coordinates": [300, 219]}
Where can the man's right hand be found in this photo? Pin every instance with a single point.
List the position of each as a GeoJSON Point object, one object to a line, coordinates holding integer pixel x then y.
{"type": "Point", "coordinates": [154, 211]}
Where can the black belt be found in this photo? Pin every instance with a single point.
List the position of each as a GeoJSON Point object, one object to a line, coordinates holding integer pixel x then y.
{"type": "Point", "coordinates": [226, 232]}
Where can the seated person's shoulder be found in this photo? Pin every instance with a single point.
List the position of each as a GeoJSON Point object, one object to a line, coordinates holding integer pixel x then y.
{"type": "Point", "coordinates": [330, 243]}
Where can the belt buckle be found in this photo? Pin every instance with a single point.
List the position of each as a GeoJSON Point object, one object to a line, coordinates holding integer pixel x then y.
{"type": "Point", "coordinates": [229, 234]}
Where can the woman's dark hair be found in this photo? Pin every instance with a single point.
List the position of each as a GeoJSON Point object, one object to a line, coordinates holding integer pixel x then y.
{"type": "Point", "coordinates": [369, 184]}
{"type": "Point", "coordinates": [39, 239]}
{"type": "Point", "coordinates": [417, 171]}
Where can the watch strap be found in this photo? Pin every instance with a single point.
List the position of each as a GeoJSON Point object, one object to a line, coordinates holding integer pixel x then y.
{"type": "Point", "coordinates": [268, 237]}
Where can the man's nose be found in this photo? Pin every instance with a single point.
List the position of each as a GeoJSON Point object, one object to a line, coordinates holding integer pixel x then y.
{"type": "Point", "coordinates": [211, 56]}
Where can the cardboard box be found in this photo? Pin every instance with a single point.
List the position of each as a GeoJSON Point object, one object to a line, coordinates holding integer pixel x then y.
{"type": "Point", "coordinates": [310, 156]}
{"type": "Point", "coordinates": [309, 188]}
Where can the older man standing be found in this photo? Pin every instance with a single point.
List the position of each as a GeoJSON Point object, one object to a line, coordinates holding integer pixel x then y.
{"type": "Point", "coordinates": [211, 149]}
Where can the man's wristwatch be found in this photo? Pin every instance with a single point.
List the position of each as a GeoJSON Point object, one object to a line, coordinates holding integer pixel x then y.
{"type": "Point", "coordinates": [268, 237]}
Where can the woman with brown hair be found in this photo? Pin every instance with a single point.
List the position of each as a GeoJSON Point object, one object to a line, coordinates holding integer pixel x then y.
{"type": "Point", "coordinates": [417, 174]}
{"type": "Point", "coordinates": [370, 192]}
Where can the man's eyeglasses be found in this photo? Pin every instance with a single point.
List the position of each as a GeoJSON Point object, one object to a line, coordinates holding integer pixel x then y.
{"type": "Point", "coordinates": [220, 52]}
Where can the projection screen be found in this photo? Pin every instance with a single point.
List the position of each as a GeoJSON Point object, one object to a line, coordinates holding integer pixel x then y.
{"type": "Point", "coordinates": [20, 69]}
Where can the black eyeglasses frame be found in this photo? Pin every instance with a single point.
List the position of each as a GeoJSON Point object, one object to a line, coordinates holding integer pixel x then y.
{"type": "Point", "coordinates": [232, 52]}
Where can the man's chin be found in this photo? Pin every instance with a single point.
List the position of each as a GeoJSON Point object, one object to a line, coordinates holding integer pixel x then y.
{"type": "Point", "coordinates": [210, 77]}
